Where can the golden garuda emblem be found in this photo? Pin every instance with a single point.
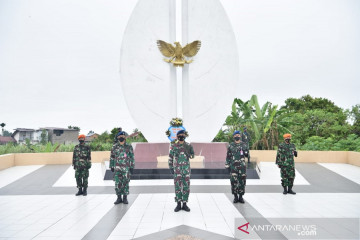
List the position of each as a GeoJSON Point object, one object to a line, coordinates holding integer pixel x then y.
{"type": "Point", "coordinates": [176, 54]}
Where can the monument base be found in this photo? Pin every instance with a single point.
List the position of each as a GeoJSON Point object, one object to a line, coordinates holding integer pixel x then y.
{"type": "Point", "coordinates": [151, 162]}
{"type": "Point", "coordinates": [212, 171]}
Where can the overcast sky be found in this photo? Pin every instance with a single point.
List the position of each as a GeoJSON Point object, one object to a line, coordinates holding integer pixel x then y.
{"type": "Point", "coordinates": [59, 59]}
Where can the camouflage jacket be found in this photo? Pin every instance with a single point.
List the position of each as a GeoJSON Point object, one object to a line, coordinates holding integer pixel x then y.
{"type": "Point", "coordinates": [122, 157]}
{"type": "Point", "coordinates": [285, 154]}
{"type": "Point", "coordinates": [235, 154]}
{"type": "Point", "coordinates": [179, 154]}
{"type": "Point", "coordinates": [245, 137]}
{"type": "Point", "coordinates": [82, 156]}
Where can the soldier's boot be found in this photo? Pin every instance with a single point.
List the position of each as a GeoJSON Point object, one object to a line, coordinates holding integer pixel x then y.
{"type": "Point", "coordinates": [125, 201]}
{"type": "Point", "coordinates": [285, 190]}
{"type": "Point", "coordinates": [118, 200]}
{"type": "Point", "coordinates": [185, 207]}
{"type": "Point", "coordinates": [290, 191]}
{"type": "Point", "coordinates": [236, 199]}
{"type": "Point", "coordinates": [178, 207]}
{"type": "Point", "coordinates": [85, 192]}
{"type": "Point", "coordinates": [241, 200]}
{"type": "Point", "coordinates": [80, 192]}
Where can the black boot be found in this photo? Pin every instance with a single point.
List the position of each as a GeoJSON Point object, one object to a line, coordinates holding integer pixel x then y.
{"type": "Point", "coordinates": [290, 191]}
{"type": "Point", "coordinates": [241, 200]}
{"type": "Point", "coordinates": [285, 190]}
{"type": "Point", "coordinates": [125, 201]}
{"type": "Point", "coordinates": [85, 192]}
{"type": "Point", "coordinates": [80, 192]}
{"type": "Point", "coordinates": [118, 200]}
{"type": "Point", "coordinates": [236, 199]}
{"type": "Point", "coordinates": [185, 207]}
{"type": "Point", "coordinates": [178, 207]}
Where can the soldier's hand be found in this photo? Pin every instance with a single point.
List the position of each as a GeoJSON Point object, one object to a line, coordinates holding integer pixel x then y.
{"type": "Point", "coordinates": [112, 169]}
{"type": "Point", "coordinates": [172, 171]}
{"type": "Point", "coordinates": [246, 154]}
{"type": "Point", "coordinates": [295, 153]}
{"type": "Point", "coordinates": [131, 171]}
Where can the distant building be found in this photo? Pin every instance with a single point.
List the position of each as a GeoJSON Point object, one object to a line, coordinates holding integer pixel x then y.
{"type": "Point", "coordinates": [61, 135]}
{"type": "Point", "coordinates": [91, 137]}
{"type": "Point", "coordinates": [53, 135]}
{"type": "Point", "coordinates": [20, 134]}
{"type": "Point", "coordinates": [5, 140]}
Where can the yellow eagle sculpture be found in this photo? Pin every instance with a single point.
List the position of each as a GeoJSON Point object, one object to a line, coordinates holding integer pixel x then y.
{"type": "Point", "coordinates": [177, 54]}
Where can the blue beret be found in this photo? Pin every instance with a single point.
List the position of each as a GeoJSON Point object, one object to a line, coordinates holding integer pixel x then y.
{"type": "Point", "coordinates": [245, 128]}
{"type": "Point", "coordinates": [180, 132]}
{"type": "Point", "coordinates": [120, 133]}
{"type": "Point", "coordinates": [236, 132]}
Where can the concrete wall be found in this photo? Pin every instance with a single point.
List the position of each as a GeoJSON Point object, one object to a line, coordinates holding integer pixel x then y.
{"type": "Point", "coordinates": [7, 161]}
{"type": "Point", "coordinates": [19, 159]}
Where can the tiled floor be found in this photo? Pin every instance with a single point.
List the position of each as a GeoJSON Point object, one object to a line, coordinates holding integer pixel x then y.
{"type": "Point", "coordinates": [31, 208]}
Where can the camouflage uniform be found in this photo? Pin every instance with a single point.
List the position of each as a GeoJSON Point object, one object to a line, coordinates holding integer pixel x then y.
{"type": "Point", "coordinates": [82, 164]}
{"type": "Point", "coordinates": [285, 160]}
{"type": "Point", "coordinates": [179, 155]}
{"type": "Point", "coordinates": [235, 160]}
{"type": "Point", "coordinates": [245, 138]}
{"type": "Point", "coordinates": [122, 160]}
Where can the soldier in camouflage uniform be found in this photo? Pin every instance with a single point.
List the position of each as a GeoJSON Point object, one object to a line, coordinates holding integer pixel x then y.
{"type": "Point", "coordinates": [245, 138]}
{"type": "Point", "coordinates": [82, 163]}
{"type": "Point", "coordinates": [236, 166]}
{"type": "Point", "coordinates": [285, 161]}
{"type": "Point", "coordinates": [179, 165]}
{"type": "Point", "coordinates": [122, 163]}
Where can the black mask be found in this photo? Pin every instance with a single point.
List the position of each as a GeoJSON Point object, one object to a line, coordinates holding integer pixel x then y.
{"type": "Point", "coordinates": [121, 139]}
{"type": "Point", "coordinates": [236, 138]}
{"type": "Point", "coordinates": [181, 138]}
{"type": "Point", "coordinates": [81, 141]}
{"type": "Point", "coordinates": [287, 140]}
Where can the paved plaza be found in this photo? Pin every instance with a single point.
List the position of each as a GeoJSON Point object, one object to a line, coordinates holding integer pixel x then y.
{"type": "Point", "coordinates": [39, 202]}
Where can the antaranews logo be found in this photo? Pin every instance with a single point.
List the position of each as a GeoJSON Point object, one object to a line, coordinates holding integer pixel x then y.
{"type": "Point", "coordinates": [243, 226]}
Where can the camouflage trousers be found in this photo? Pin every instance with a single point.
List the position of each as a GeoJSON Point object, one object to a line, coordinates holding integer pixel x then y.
{"type": "Point", "coordinates": [287, 176]}
{"type": "Point", "coordinates": [82, 176]}
{"type": "Point", "coordinates": [238, 180]}
{"type": "Point", "coordinates": [182, 184]}
{"type": "Point", "coordinates": [122, 179]}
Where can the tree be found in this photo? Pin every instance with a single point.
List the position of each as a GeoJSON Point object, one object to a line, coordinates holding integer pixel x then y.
{"type": "Point", "coordinates": [354, 116]}
{"type": "Point", "coordinates": [264, 123]}
{"type": "Point", "coordinates": [73, 127]}
{"type": "Point", "coordinates": [308, 117]}
{"type": "Point", "coordinates": [2, 126]}
{"type": "Point", "coordinates": [43, 137]}
{"type": "Point", "coordinates": [307, 102]}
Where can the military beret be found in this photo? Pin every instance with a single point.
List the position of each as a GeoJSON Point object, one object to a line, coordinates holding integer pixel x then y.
{"type": "Point", "coordinates": [120, 133]}
{"type": "Point", "coordinates": [180, 132]}
{"type": "Point", "coordinates": [245, 128]}
{"type": "Point", "coordinates": [287, 135]}
{"type": "Point", "coordinates": [236, 132]}
{"type": "Point", "coordinates": [81, 136]}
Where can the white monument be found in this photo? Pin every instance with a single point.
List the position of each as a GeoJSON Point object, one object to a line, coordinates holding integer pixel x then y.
{"type": "Point", "coordinates": [201, 93]}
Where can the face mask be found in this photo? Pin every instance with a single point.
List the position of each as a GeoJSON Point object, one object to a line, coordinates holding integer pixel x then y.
{"type": "Point", "coordinates": [237, 138]}
{"type": "Point", "coordinates": [81, 141]}
{"type": "Point", "coordinates": [121, 139]}
{"type": "Point", "coordinates": [287, 140]}
{"type": "Point", "coordinates": [181, 138]}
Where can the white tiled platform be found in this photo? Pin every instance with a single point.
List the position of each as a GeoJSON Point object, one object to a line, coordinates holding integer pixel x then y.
{"type": "Point", "coordinates": [65, 216]}
{"type": "Point", "coordinates": [348, 171]}
{"type": "Point", "coordinates": [10, 175]}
